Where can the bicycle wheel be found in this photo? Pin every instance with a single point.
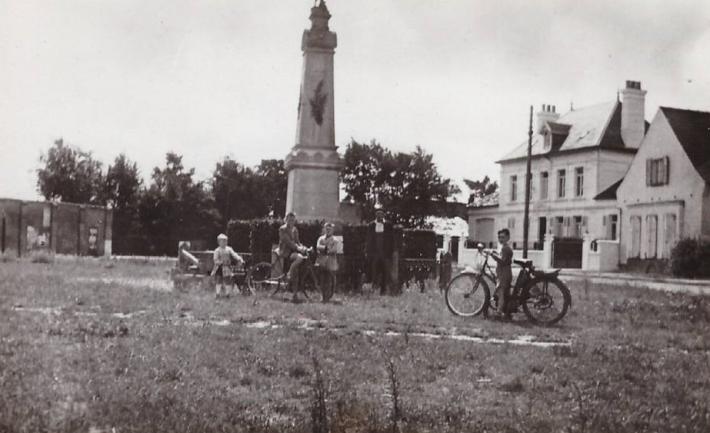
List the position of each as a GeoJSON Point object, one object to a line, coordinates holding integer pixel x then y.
{"type": "Point", "coordinates": [546, 302]}
{"type": "Point", "coordinates": [467, 294]}
{"type": "Point", "coordinates": [309, 285]}
{"type": "Point", "coordinates": [258, 275]}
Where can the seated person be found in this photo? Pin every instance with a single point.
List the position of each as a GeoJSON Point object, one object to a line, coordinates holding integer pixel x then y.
{"type": "Point", "coordinates": [289, 245]}
{"type": "Point", "coordinates": [222, 270]}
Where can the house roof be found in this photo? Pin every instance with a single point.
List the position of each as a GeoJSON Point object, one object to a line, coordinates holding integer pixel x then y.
{"type": "Point", "coordinates": [490, 200]}
{"type": "Point", "coordinates": [448, 226]}
{"type": "Point", "coordinates": [692, 128]}
{"type": "Point", "coordinates": [609, 193]}
{"type": "Point", "coordinates": [595, 126]}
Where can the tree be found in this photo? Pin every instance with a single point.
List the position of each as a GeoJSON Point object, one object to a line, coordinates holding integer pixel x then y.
{"type": "Point", "coordinates": [122, 190]}
{"type": "Point", "coordinates": [480, 188]}
{"type": "Point", "coordinates": [122, 185]}
{"type": "Point", "coordinates": [244, 193]}
{"type": "Point", "coordinates": [70, 174]}
{"type": "Point", "coordinates": [407, 185]}
{"type": "Point", "coordinates": [176, 207]}
{"type": "Point", "coordinates": [274, 184]}
{"type": "Point", "coordinates": [233, 190]}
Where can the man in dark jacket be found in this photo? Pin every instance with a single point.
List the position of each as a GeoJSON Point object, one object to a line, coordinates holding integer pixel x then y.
{"type": "Point", "coordinates": [289, 245]}
{"type": "Point", "coordinates": [379, 249]}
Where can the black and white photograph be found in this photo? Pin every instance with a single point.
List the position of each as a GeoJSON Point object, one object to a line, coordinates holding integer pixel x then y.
{"type": "Point", "coordinates": [354, 216]}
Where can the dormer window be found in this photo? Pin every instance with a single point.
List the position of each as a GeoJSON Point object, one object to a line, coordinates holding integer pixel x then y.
{"type": "Point", "coordinates": [554, 134]}
{"type": "Point", "coordinates": [546, 139]}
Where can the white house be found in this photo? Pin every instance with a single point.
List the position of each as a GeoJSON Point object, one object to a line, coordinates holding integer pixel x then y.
{"type": "Point", "coordinates": [578, 161]}
{"type": "Point", "coordinates": [450, 234]}
{"type": "Point", "coordinates": [666, 193]}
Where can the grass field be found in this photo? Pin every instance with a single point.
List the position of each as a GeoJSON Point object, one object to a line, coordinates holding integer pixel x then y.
{"type": "Point", "coordinates": [94, 346]}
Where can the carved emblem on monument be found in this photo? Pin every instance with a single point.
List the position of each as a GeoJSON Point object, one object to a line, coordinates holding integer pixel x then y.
{"type": "Point", "coordinates": [318, 103]}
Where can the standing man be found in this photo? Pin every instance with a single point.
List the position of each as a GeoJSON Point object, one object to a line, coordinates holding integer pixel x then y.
{"type": "Point", "coordinates": [379, 249]}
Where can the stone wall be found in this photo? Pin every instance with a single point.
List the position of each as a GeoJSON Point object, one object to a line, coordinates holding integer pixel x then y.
{"type": "Point", "coordinates": [64, 228]}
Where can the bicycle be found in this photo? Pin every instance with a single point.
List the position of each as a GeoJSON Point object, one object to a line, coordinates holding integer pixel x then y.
{"type": "Point", "coordinates": [545, 299]}
{"type": "Point", "coordinates": [310, 277]}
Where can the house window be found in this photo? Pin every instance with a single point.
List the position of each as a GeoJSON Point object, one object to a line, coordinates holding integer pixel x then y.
{"type": "Point", "coordinates": [670, 236]}
{"type": "Point", "coordinates": [579, 225]}
{"type": "Point", "coordinates": [511, 223]}
{"type": "Point", "coordinates": [440, 241]}
{"type": "Point", "coordinates": [543, 185]}
{"type": "Point", "coordinates": [635, 236]}
{"type": "Point", "coordinates": [610, 223]}
{"type": "Point", "coordinates": [561, 183]}
{"type": "Point", "coordinates": [652, 227]}
{"type": "Point", "coordinates": [657, 171]}
{"type": "Point", "coordinates": [579, 181]}
{"type": "Point", "coordinates": [513, 188]}
{"type": "Point", "coordinates": [558, 226]}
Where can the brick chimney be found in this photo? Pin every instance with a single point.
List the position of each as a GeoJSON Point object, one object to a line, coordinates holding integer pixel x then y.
{"type": "Point", "coordinates": [547, 114]}
{"type": "Point", "coordinates": [633, 121]}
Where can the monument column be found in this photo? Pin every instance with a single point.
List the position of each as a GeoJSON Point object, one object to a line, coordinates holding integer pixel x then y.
{"type": "Point", "coordinates": [313, 164]}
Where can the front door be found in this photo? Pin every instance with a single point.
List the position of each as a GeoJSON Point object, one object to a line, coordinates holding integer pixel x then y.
{"type": "Point", "coordinates": [454, 248]}
{"type": "Point", "coordinates": [542, 229]}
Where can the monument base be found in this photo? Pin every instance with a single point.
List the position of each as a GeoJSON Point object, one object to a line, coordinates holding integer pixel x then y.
{"type": "Point", "coordinates": [317, 191]}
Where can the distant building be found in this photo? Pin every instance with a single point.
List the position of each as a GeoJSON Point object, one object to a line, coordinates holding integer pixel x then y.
{"type": "Point", "coordinates": [578, 161]}
{"type": "Point", "coordinates": [64, 228]}
{"type": "Point", "coordinates": [665, 195]}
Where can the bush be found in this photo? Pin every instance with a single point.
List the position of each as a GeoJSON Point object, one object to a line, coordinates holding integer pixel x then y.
{"type": "Point", "coordinates": [690, 258]}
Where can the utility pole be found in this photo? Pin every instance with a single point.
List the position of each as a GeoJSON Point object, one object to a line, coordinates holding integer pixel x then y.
{"type": "Point", "coordinates": [528, 175]}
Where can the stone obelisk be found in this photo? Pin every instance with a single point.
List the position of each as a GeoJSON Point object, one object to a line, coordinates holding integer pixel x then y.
{"type": "Point", "coordinates": [313, 164]}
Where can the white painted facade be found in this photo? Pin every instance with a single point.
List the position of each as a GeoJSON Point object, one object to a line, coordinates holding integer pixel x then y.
{"type": "Point", "coordinates": [655, 217]}
{"type": "Point", "coordinates": [569, 211]}
{"type": "Point", "coordinates": [575, 158]}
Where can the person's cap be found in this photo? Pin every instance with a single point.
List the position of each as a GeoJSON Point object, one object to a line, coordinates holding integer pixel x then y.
{"type": "Point", "coordinates": [222, 236]}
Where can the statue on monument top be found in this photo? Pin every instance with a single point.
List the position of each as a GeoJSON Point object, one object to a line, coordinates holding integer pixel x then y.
{"type": "Point", "coordinates": [319, 35]}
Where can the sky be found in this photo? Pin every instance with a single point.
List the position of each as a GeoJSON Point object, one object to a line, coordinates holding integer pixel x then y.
{"type": "Point", "coordinates": [215, 78]}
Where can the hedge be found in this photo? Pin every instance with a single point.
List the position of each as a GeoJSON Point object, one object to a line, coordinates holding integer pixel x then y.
{"type": "Point", "coordinates": [418, 244]}
{"type": "Point", "coordinates": [259, 236]}
{"type": "Point", "coordinates": [690, 258]}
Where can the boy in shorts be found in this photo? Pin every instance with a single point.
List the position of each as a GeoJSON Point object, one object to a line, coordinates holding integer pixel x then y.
{"type": "Point", "coordinates": [504, 272]}
{"type": "Point", "coordinates": [222, 270]}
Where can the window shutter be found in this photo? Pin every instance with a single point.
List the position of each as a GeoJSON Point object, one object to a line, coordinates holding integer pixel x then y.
{"type": "Point", "coordinates": [603, 220]}
{"type": "Point", "coordinates": [648, 172]}
{"type": "Point", "coordinates": [667, 170]}
{"type": "Point", "coordinates": [584, 221]}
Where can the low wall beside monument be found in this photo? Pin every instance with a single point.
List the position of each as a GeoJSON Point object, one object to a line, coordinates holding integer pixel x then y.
{"type": "Point", "coordinates": [63, 228]}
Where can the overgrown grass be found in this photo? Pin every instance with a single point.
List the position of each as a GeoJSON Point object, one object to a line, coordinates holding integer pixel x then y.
{"type": "Point", "coordinates": [73, 358]}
